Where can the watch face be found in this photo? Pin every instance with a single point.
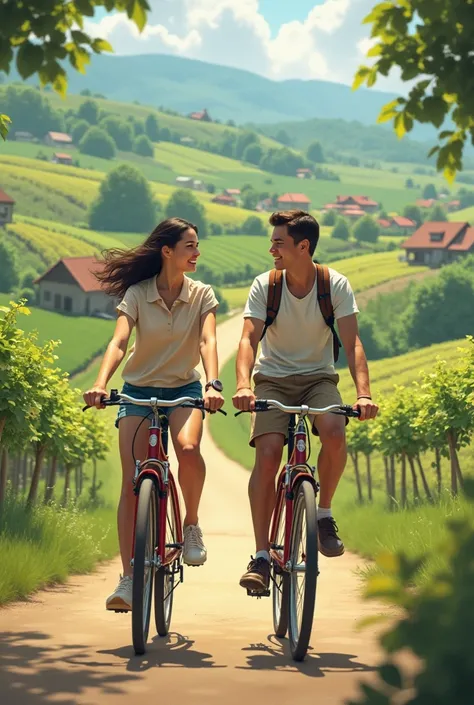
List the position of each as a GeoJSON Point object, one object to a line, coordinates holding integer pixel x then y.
{"type": "Point", "coordinates": [217, 384]}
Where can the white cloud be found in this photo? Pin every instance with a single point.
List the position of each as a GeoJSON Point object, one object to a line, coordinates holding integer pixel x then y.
{"type": "Point", "coordinates": [329, 44]}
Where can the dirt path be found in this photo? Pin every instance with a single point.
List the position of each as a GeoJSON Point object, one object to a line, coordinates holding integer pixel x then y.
{"type": "Point", "coordinates": [63, 648]}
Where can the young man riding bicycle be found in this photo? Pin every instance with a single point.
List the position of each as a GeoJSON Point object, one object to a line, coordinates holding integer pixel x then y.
{"type": "Point", "coordinates": [296, 366]}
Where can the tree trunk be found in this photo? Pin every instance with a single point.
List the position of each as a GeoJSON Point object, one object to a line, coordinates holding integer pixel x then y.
{"type": "Point", "coordinates": [369, 477]}
{"type": "Point", "coordinates": [3, 421]}
{"type": "Point", "coordinates": [393, 478]}
{"type": "Point", "coordinates": [94, 479]}
{"type": "Point", "coordinates": [439, 477]}
{"type": "Point", "coordinates": [24, 473]}
{"type": "Point", "coordinates": [426, 486]}
{"type": "Point", "coordinates": [16, 474]}
{"type": "Point", "coordinates": [67, 480]}
{"type": "Point", "coordinates": [39, 457]}
{"type": "Point", "coordinates": [3, 473]}
{"type": "Point", "coordinates": [403, 486]}
{"type": "Point", "coordinates": [387, 476]}
{"type": "Point", "coordinates": [453, 461]}
{"type": "Point", "coordinates": [355, 460]}
{"type": "Point", "coordinates": [49, 491]}
{"type": "Point", "coordinates": [77, 481]}
{"type": "Point", "coordinates": [416, 491]}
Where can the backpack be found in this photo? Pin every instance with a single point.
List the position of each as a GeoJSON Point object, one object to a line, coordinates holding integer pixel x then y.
{"type": "Point", "coordinates": [275, 288]}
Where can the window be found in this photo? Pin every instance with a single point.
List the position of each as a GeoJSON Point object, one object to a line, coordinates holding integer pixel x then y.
{"type": "Point", "coordinates": [68, 304]}
{"type": "Point", "coordinates": [57, 302]}
{"type": "Point", "coordinates": [46, 296]}
{"type": "Point", "coordinates": [3, 211]}
{"type": "Point", "coordinates": [436, 237]}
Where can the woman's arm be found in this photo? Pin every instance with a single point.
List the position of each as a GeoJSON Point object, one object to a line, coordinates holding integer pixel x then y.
{"type": "Point", "coordinates": [113, 356]}
{"type": "Point", "coordinates": [208, 349]}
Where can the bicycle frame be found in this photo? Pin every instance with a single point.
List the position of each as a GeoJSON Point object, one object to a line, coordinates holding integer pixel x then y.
{"type": "Point", "coordinates": [287, 481]}
{"type": "Point", "coordinates": [157, 466]}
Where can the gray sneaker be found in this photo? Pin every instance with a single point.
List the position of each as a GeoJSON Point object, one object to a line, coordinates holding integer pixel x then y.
{"type": "Point", "coordinates": [121, 598]}
{"type": "Point", "coordinates": [194, 551]}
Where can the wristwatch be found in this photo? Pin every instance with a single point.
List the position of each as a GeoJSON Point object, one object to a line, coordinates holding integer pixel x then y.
{"type": "Point", "coordinates": [215, 384]}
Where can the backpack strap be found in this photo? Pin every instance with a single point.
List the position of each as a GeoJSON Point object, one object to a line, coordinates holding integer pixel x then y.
{"type": "Point", "coordinates": [275, 288]}
{"type": "Point", "coordinates": [325, 305]}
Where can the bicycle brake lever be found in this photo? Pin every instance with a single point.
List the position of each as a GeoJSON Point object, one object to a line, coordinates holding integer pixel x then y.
{"type": "Point", "coordinates": [221, 411]}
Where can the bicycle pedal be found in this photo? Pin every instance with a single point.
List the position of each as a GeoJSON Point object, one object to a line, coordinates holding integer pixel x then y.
{"type": "Point", "coordinates": [258, 593]}
{"type": "Point", "coordinates": [121, 611]}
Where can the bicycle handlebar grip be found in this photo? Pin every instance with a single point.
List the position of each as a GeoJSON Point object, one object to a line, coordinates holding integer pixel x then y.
{"type": "Point", "coordinates": [350, 411]}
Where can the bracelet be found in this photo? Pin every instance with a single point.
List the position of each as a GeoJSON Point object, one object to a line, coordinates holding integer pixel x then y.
{"type": "Point", "coordinates": [364, 396]}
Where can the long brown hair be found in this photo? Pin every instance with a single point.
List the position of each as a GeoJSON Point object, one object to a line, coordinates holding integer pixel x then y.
{"type": "Point", "coordinates": [122, 268]}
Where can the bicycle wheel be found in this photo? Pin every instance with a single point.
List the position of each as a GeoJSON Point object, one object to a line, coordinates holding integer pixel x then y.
{"type": "Point", "coordinates": [143, 563]}
{"type": "Point", "coordinates": [165, 576]}
{"type": "Point", "coordinates": [280, 578]}
{"type": "Point", "coordinates": [304, 570]}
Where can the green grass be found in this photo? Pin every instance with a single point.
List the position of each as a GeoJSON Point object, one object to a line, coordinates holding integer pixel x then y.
{"type": "Point", "coordinates": [467, 214]}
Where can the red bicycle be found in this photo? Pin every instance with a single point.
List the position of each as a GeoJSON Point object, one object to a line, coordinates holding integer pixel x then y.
{"type": "Point", "coordinates": [294, 530]}
{"type": "Point", "coordinates": [158, 534]}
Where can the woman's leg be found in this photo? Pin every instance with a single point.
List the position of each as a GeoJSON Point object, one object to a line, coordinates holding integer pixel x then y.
{"type": "Point", "coordinates": [186, 431]}
{"type": "Point", "coordinates": [126, 509]}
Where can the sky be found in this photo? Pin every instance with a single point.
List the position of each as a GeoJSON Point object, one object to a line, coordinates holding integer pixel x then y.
{"type": "Point", "coordinates": [279, 39]}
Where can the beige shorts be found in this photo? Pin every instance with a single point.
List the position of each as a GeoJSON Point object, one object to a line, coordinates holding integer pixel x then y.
{"type": "Point", "coordinates": [315, 390]}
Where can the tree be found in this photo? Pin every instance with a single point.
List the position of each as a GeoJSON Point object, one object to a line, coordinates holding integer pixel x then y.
{"type": "Point", "coordinates": [165, 134]}
{"type": "Point", "coordinates": [244, 139]}
{"type": "Point", "coordinates": [253, 225]}
{"type": "Point", "coordinates": [414, 213]}
{"type": "Point", "coordinates": [315, 153]}
{"type": "Point", "coordinates": [253, 153]}
{"type": "Point", "coordinates": [9, 274]}
{"type": "Point", "coordinates": [120, 131]}
{"type": "Point", "coordinates": [409, 183]}
{"type": "Point", "coordinates": [407, 37]}
{"type": "Point", "coordinates": [97, 143]}
{"type": "Point", "coordinates": [79, 130]}
{"type": "Point", "coordinates": [329, 218]}
{"type": "Point", "coordinates": [31, 111]}
{"type": "Point", "coordinates": [184, 204]}
{"type": "Point", "coordinates": [38, 35]}
{"type": "Point", "coordinates": [249, 198]}
{"type": "Point", "coordinates": [283, 137]}
{"type": "Point", "coordinates": [366, 230]}
{"type": "Point", "coordinates": [430, 192]}
{"type": "Point", "coordinates": [438, 214]}
{"type": "Point", "coordinates": [341, 230]}
{"type": "Point", "coordinates": [89, 111]}
{"type": "Point", "coordinates": [125, 202]}
{"type": "Point", "coordinates": [152, 128]}
{"type": "Point", "coordinates": [143, 146]}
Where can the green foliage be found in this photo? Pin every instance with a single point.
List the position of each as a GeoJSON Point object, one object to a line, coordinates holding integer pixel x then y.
{"type": "Point", "coordinates": [329, 218]}
{"type": "Point", "coordinates": [9, 275]}
{"type": "Point", "coordinates": [30, 111]}
{"type": "Point", "coordinates": [341, 230]}
{"type": "Point", "coordinates": [282, 161]}
{"type": "Point", "coordinates": [152, 128]}
{"type": "Point", "coordinates": [78, 130]}
{"type": "Point", "coordinates": [438, 214]}
{"type": "Point", "coordinates": [315, 153]}
{"type": "Point", "coordinates": [254, 226]}
{"type": "Point", "coordinates": [125, 202]}
{"type": "Point", "coordinates": [184, 204]}
{"type": "Point", "coordinates": [89, 111]}
{"type": "Point", "coordinates": [244, 139]}
{"type": "Point", "coordinates": [407, 37]}
{"type": "Point", "coordinates": [223, 303]}
{"type": "Point", "coordinates": [366, 229]}
{"type": "Point", "coordinates": [250, 198]}
{"type": "Point", "coordinates": [120, 131]}
{"type": "Point", "coordinates": [414, 213]}
{"type": "Point", "coordinates": [283, 137]}
{"type": "Point", "coordinates": [430, 192]}
{"type": "Point", "coordinates": [253, 153]}
{"type": "Point", "coordinates": [142, 145]}
{"type": "Point", "coordinates": [97, 143]}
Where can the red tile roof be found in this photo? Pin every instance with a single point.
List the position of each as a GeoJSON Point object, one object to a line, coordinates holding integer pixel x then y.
{"type": "Point", "coordinates": [81, 269]}
{"type": "Point", "coordinates": [304, 171]}
{"type": "Point", "coordinates": [5, 198]}
{"type": "Point", "coordinates": [233, 191]}
{"type": "Point", "coordinates": [466, 242]}
{"type": "Point", "coordinates": [294, 198]}
{"type": "Point", "coordinates": [360, 200]}
{"type": "Point", "coordinates": [60, 137]}
{"type": "Point", "coordinates": [403, 222]}
{"type": "Point", "coordinates": [425, 202]}
{"type": "Point", "coordinates": [61, 155]}
{"type": "Point", "coordinates": [353, 211]}
{"type": "Point", "coordinates": [421, 237]}
{"type": "Point", "coordinates": [223, 198]}
{"type": "Point", "coordinates": [384, 223]}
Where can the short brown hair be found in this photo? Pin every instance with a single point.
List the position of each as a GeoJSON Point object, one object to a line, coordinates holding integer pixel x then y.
{"type": "Point", "coordinates": [301, 226]}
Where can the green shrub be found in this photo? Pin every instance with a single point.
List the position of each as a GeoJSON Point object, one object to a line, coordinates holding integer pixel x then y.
{"type": "Point", "coordinates": [97, 143]}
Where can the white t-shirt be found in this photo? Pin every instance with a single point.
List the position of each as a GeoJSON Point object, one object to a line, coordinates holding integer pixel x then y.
{"type": "Point", "coordinates": [298, 341]}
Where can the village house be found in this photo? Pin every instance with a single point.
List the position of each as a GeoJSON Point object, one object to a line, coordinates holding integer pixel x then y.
{"type": "Point", "coordinates": [453, 206]}
{"type": "Point", "coordinates": [187, 141]}
{"type": "Point", "coordinates": [62, 158]}
{"type": "Point", "coordinates": [304, 173]}
{"type": "Point", "coordinates": [70, 287]}
{"type": "Point", "coordinates": [23, 136]}
{"type": "Point", "coordinates": [201, 116]}
{"type": "Point", "coordinates": [234, 192]}
{"type": "Point", "coordinates": [266, 205]}
{"type": "Point", "coordinates": [184, 181]}
{"type": "Point", "coordinates": [435, 244]}
{"type": "Point", "coordinates": [224, 200]}
{"type": "Point", "coordinates": [398, 225]}
{"type": "Point", "coordinates": [344, 204]}
{"type": "Point", "coordinates": [425, 202]}
{"type": "Point", "coordinates": [6, 208]}
{"type": "Point", "coordinates": [58, 139]}
{"type": "Point", "coordinates": [291, 201]}
{"type": "Point", "coordinates": [353, 213]}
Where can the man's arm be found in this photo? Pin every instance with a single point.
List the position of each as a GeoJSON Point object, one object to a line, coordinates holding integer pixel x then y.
{"type": "Point", "coordinates": [357, 361]}
{"type": "Point", "coordinates": [244, 398]}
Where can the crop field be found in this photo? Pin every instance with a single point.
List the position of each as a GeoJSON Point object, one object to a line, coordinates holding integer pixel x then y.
{"type": "Point", "coordinates": [189, 161]}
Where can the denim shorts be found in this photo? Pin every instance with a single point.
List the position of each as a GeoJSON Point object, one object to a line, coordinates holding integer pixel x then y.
{"type": "Point", "coordinates": [193, 389]}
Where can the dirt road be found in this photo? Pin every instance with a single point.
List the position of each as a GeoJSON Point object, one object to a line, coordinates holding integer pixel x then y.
{"type": "Point", "coordinates": [63, 648]}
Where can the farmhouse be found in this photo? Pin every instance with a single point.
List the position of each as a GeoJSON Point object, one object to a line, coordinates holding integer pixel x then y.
{"type": "Point", "coordinates": [58, 139]}
{"type": "Point", "coordinates": [23, 136]}
{"type": "Point", "coordinates": [304, 173]}
{"type": "Point", "coordinates": [235, 192]}
{"type": "Point", "coordinates": [70, 286]}
{"type": "Point", "coordinates": [425, 202]}
{"type": "Point", "coordinates": [353, 213]}
{"type": "Point", "coordinates": [6, 208]}
{"type": "Point", "coordinates": [224, 200]}
{"type": "Point", "coordinates": [435, 244]}
{"type": "Point", "coordinates": [290, 201]}
{"type": "Point", "coordinates": [62, 158]}
{"type": "Point", "coordinates": [201, 116]}
{"type": "Point", "coordinates": [363, 202]}
{"type": "Point", "coordinates": [185, 181]}
{"type": "Point", "coordinates": [398, 225]}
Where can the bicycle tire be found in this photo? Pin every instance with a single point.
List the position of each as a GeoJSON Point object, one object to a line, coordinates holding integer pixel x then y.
{"type": "Point", "coordinates": [165, 576]}
{"type": "Point", "coordinates": [280, 580]}
{"type": "Point", "coordinates": [145, 543]}
{"type": "Point", "coordinates": [304, 509]}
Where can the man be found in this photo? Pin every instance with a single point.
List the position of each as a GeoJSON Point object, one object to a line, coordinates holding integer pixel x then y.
{"type": "Point", "coordinates": [296, 366]}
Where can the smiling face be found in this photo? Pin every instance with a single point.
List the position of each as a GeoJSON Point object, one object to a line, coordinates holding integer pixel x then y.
{"type": "Point", "coordinates": [183, 257]}
{"type": "Point", "coordinates": [285, 252]}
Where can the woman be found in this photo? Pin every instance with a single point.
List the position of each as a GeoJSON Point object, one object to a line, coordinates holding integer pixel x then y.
{"type": "Point", "coordinates": [175, 321]}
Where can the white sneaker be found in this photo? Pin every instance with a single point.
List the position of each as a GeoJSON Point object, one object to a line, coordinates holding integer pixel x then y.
{"type": "Point", "coordinates": [121, 598]}
{"type": "Point", "coordinates": [194, 551]}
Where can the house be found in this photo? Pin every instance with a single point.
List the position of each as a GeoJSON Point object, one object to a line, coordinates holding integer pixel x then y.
{"type": "Point", "coordinates": [70, 286]}
{"type": "Point", "coordinates": [201, 116]}
{"type": "Point", "coordinates": [453, 206]}
{"type": "Point", "coordinates": [397, 225]}
{"type": "Point", "coordinates": [187, 141]}
{"type": "Point", "coordinates": [304, 173]}
{"type": "Point", "coordinates": [6, 208]}
{"type": "Point", "coordinates": [61, 158]}
{"type": "Point", "coordinates": [291, 201]}
{"type": "Point", "coordinates": [362, 202]}
{"type": "Point", "coordinates": [435, 244]}
{"type": "Point", "coordinates": [199, 185]}
{"type": "Point", "coordinates": [234, 192]}
{"type": "Point", "coordinates": [425, 202]}
{"type": "Point", "coordinates": [266, 205]}
{"type": "Point", "coordinates": [23, 136]}
{"type": "Point", "coordinates": [184, 181]}
{"type": "Point", "coordinates": [353, 213]}
{"type": "Point", "coordinates": [224, 200]}
{"type": "Point", "coordinates": [58, 139]}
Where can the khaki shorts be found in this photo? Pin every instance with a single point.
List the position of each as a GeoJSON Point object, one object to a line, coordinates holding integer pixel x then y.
{"type": "Point", "coordinates": [317, 390]}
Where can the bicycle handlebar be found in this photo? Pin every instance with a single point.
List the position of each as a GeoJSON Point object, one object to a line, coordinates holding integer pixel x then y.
{"type": "Point", "coordinates": [267, 404]}
{"type": "Point", "coordinates": [116, 399]}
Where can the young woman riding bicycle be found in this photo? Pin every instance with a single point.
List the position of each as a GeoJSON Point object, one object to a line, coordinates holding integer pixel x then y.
{"type": "Point", "coordinates": [175, 322]}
